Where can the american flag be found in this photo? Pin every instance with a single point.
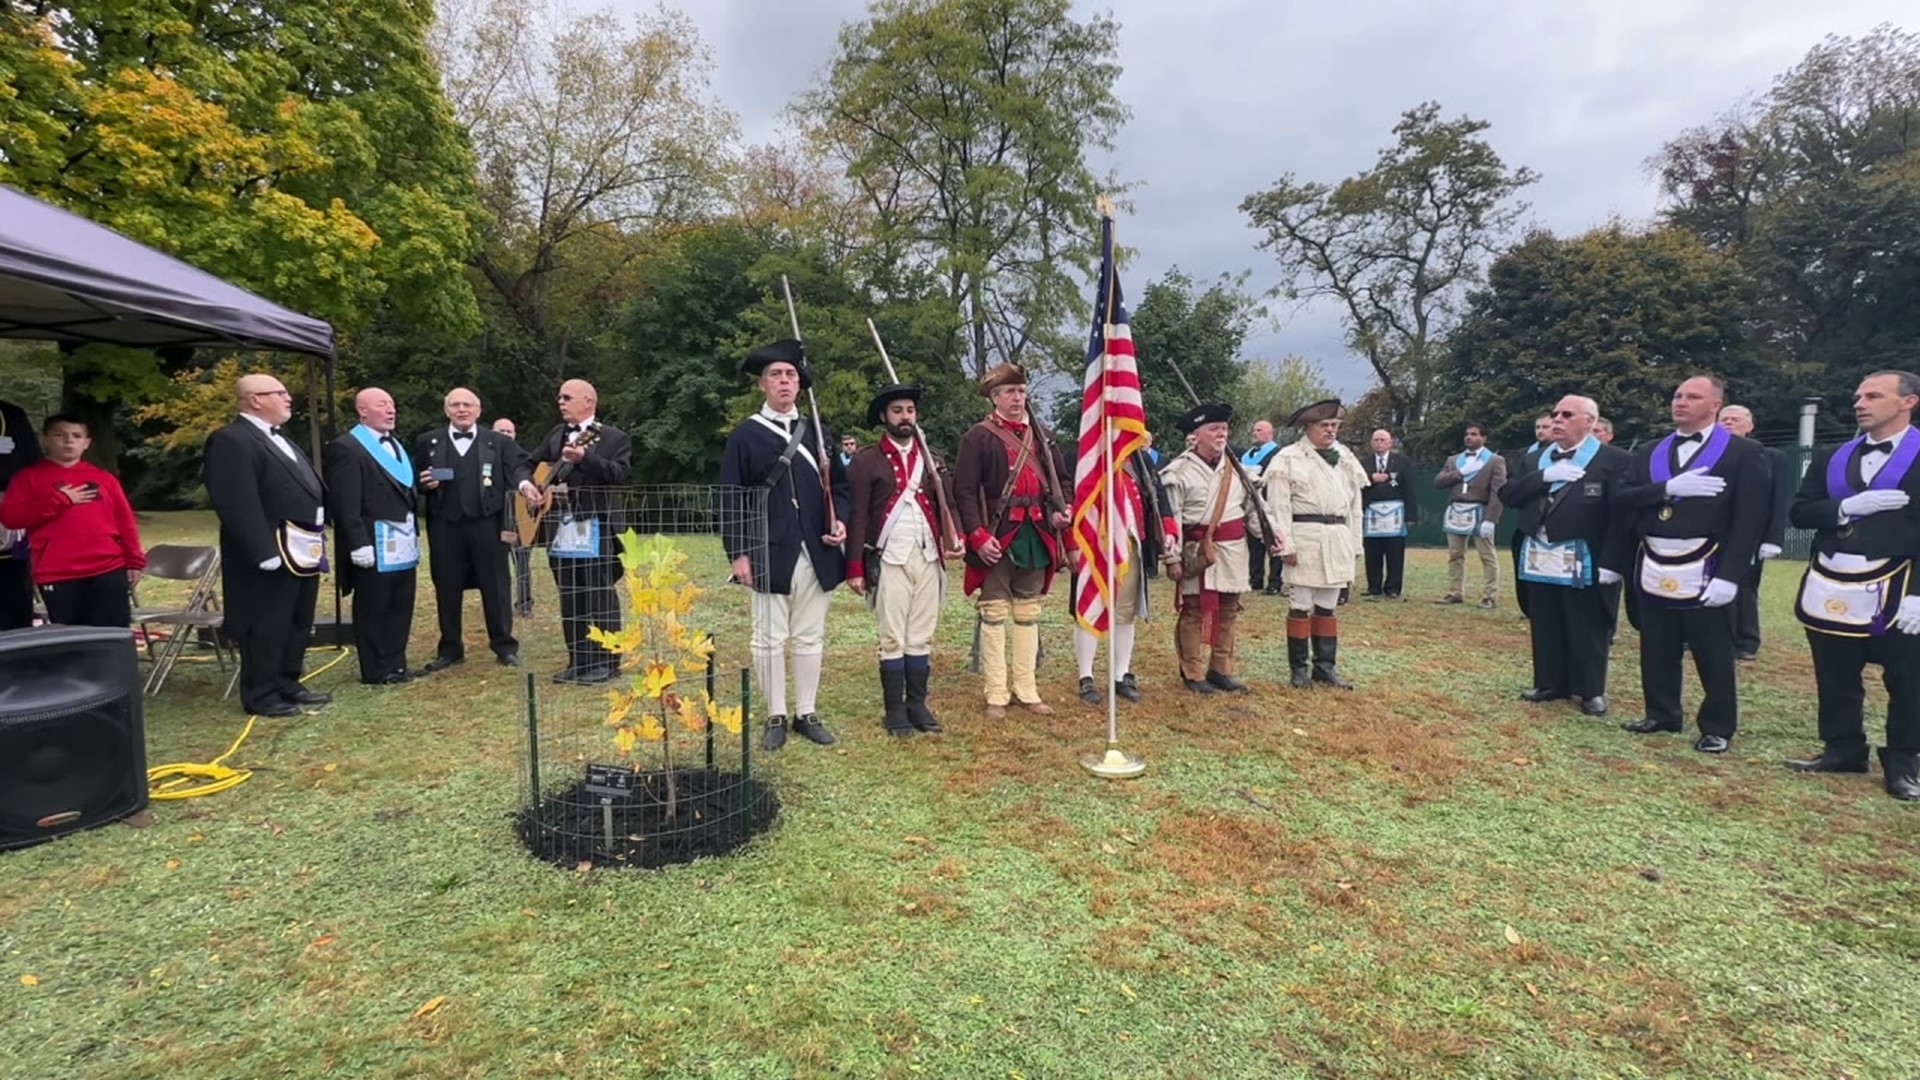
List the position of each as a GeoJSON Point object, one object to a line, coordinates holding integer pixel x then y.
{"type": "Point", "coordinates": [1113, 425]}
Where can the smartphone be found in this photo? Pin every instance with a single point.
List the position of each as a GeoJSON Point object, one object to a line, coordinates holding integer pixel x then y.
{"type": "Point", "coordinates": [442, 475]}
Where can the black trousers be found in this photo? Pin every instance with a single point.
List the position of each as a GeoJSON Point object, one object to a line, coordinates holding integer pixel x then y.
{"type": "Point", "coordinates": [470, 554]}
{"type": "Point", "coordinates": [1666, 633]}
{"type": "Point", "coordinates": [270, 629]}
{"type": "Point", "coordinates": [1839, 662]}
{"type": "Point", "coordinates": [1610, 596]}
{"type": "Point", "coordinates": [1386, 563]}
{"type": "Point", "coordinates": [1746, 612]}
{"type": "Point", "coordinates": [382, 620]}
{"type": "Point", "coordinates": [1569, 629]}
{"type": "Point", "coordinates": [16, 595]}
{"type": "Point", "coordinates": [1522, 590]}
{"type": "Point", "coordinates": [523, 579]}
{"type": "Point", "coordinates": [100, 600]}
{"type": "Point", "coordinates": [587, 599]}
{"type": "Point", "coordinates": [1263, 570]}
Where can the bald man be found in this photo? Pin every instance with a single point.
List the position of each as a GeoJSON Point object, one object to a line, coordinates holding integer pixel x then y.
{"type": "Point", "coordinates": [370, 496]}
{"type": "Point", "coordinates": [581, 530]}
{"type": "Point", "coordinates": [272, 545]}
{"type": "Point", "coordinates": [1782, 480]}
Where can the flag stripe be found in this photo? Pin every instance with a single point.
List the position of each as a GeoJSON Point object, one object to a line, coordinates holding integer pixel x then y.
{"type": "Point", "coordinates": [1113, 426]}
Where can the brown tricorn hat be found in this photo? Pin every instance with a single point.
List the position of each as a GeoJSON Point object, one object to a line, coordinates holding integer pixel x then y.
{"type": "Point", "coordinates": [1329, 409]}
{"type": "Point", "coordinates": [1002, 375]}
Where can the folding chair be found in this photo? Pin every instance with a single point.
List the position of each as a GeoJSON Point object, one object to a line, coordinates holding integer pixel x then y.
{"type": "Point", "coordinates": [185, 621]}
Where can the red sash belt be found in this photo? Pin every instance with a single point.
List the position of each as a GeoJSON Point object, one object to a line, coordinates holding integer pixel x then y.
{"type": "Point", "coordinates": [1209, 598]}
{"type": "Point", "coordinates": [1226, 530]}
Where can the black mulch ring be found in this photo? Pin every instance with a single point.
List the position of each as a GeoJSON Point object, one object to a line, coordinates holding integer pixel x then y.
{"type": "Point", "coordinates": [712, 817]}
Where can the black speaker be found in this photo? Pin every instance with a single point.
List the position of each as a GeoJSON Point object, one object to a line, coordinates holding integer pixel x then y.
{"type": "Point", "coordinates": [73, 751]}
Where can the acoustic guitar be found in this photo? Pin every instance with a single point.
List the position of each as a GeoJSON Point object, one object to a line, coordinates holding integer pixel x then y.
{"type": "Point", "coordinates": [545, 475]}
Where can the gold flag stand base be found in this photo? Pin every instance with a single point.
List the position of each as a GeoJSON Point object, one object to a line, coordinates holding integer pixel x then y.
{"type": "Point", "coordinates": [1115, 764]}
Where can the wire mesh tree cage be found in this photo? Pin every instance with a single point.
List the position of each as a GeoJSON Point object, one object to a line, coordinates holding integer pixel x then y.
{"type": "Point", "coordinates": [635, 753]}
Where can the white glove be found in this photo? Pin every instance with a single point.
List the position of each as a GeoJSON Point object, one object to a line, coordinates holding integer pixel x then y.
{"type": "Point", "coordinates": [1720, 592]}
{"type": "Point", "coordinates": [1872, 502]}
{"type": "Point", "coordinates": [1609, 577]}
{"type": "Point", "coordinates": [528, 489]}
{"type": "Point", "coordinates": [1769, 551]}
{"type": "Point", "coordinates": [1908, 617]}
{"type": "Point", "coordinates": [362, 556]}
{"type": "Point", "coordinates": [271, 564]}
{"type": "Point", "coordinates": [1486, 530]}
{"type": "Point", "coordinates": [1695, 483]}
{"type": "Point", "coordinates": [1561, 471]}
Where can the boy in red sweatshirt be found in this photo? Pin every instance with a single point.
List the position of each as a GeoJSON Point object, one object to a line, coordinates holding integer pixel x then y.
{"type": "Point", "coordinates": [85, 549]}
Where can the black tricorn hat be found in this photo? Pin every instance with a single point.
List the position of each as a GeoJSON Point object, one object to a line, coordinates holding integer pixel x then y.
{"type": "Point", "coordinates": [1329, 409]}
{"type": "Point", "coordinates": [876, 409]}
{"type": "Point", "coordinates": [784, 351]}
{"type": "Point", "coordinates": [1210, 412]}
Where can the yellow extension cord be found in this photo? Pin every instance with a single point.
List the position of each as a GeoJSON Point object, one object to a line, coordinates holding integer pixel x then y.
{"type": "Point", "coordinates": [167, 781]}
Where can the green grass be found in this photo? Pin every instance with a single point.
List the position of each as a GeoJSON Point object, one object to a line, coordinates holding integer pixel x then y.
{"type": "Point", "coordinates": [1302, 885]}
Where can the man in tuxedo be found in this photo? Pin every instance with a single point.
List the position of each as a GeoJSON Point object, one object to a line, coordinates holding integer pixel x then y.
{"type": "Point", "coordinates": [583, 527]}
{"type": "Point", "coordinates": [19, 448]}
{"type": "Point", "coordinates": [1566, 504]}
{"type": "Point", "coordinates": [1523, 462]}
{"type": "Point", "coordinates": [1698, 504]}
{"type": "Point", "coordinates": [272, 545]}
{"type": "Point", "coordinates": [1388, 509]}
{"type": "Point", "coordinates": [370, 498]}
{"type": "Point", "coordinates": [1860, 597]}
{"type": "Point", "coordinates": [466, 473]}
{"type": "Point", "coordinates": [1264, 569]}
{"type": "Point", "coordinates": [510, 535]}
{"type": "Point", "coordinates": [1472, 480]}
{"type": "Point", "coordinates": [1781, 482]}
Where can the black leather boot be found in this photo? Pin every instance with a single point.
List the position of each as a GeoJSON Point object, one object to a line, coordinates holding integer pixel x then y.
{"type": "Point", "coordinates": [917, 712]}
{"type": "Point", "coordinates": [1300, 662]}
{"type": "Point", "coordinates": [1903, 773]}
{"type": "Point", "coordinates": [893, 687]}
{"type": "Point", "coordinates": [1326, 651]}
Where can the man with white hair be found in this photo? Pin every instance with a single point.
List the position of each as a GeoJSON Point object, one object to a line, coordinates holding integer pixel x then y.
{"type": "Point", "coordinates": [370, 497]}
{"type": "Point", "coordinates": [1263, 568]}
{"type": "Point", "coordinates": [1567, 550]}
{"type": "Point", "coordinates": [1313, 495]}
{"type": "Point", "coordinates": [1781, 480]}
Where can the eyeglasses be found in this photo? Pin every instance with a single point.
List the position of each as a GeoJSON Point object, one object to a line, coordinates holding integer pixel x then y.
{"type": "Point", "coordinates": [1564, 414]}
{"type": "Point", "coordinates": [273, 393]}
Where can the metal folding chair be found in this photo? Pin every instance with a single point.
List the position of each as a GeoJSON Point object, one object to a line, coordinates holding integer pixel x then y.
{"type": "Point", "coordinates": [185, 621]}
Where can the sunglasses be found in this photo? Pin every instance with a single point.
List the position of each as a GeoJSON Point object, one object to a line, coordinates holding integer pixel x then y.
{"type": "Point", "coordinates": [1564, 414]}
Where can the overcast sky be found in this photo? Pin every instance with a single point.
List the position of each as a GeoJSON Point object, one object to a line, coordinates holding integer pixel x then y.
{"type": "Point", "coordinates": [1228, 95]}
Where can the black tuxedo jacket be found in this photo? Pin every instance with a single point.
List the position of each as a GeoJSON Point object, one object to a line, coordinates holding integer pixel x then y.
{"type": "Point", "coordinates": [1581, 510]}
{"type": "Point", "coordinates": [1781, 483]}
{"type": "Point", "coordinates": [1399, 483]}
{"type": "Point", "coordinates": [435, 450]}
{"type": "Point", "coordinates": [608, 464]}
{"type": "Point", "coordinates": [1737, 517]}
{"type": "Point", "coordinates": [359, 492]}
{"type": "Point", "coordinates": [14, 425]}
{"type": "Point", "coordinates": [254, 488]}
{"type": "Point", "coordinates": [1891, 534]}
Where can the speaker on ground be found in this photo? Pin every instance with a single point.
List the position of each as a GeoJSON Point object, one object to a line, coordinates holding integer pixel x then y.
{"type": "Point", "coordinates": [73, 751]}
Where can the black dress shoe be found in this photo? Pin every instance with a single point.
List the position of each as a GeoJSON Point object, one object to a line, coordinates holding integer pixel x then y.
{"type": "Point", "coordinates": [511, 659]}
{"type": "Point", "coordinates": [583, 676]}
{"type": "Point", "coordinates": [1087, 692]}
{"type": "Point", "coordinates": [1655, 727]}
{"type": "Point", "coordinates": [1746, 656]}
{"type": "Point", "coordinates": [1902, 771]}
{"type": "Point", "coordinates": [1595, 705]}
{"type": "Point", "coordinates": [1831, 760]}
{"type": "Point", "coordinates": [279, 710]}
{"type": "Point", "coordinates": [304, 696]}
{"type": "Point", "coordinates": [1127, 688]}
{"type": "Point", "coordinates": [1391, 595]}
{"type": "Point", "coordinates": [1537, 695]}
{"type": "Point", "coordinates": [775, 736]}
{"type": "Point", "coordinates": [1711, 744]}
{"type": "Point", "coordinates": [810, 726]}
{"type": "Point", "coordinates": [1226, 682]}
{"type": "Point", "coordinates": [391, 678]}
{"type": "Point", "coordinates": [441, 663]}
{"type": "Point", "coordinates": [1199, 686]}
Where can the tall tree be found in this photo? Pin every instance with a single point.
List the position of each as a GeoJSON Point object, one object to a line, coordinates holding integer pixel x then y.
{"type": "Point", "coordinates": [1275, 391]}
{"type": "Point", "coordinates": [1397, 247]}
{"type": "Point", "coordinates": [967, 125]}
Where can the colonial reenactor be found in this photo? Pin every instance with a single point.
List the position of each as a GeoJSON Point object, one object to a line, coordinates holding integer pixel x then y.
{"type": "Point", "coordinates": [370, 498]}
{"type": "Point", "coordinates": [789, 549]}
{"type": "Point", "coordinates": [1860, 597]}
{"type": "Point", "coordinates": [1007, 491]}
{"type": "Point", "coordinates": [1781, 482]}
{"type": "Point", "coordinates": [1213, 506]}
{"type": "Point", "coordinates": [1151, 533]}
{"type": "Point", "coordinates": [899, 564]}
{"type": "Point", "coordinates": [1542, 435]}
{"type": "Point", "coordinates": [1472, 480]}
{"type": "Point", "coordinates": [1388, 508]}
{"type": "Point", "coordinates": [1698, 504]}
{"type": "Point", "coordinates": [466, 474]}
{"type": "Point", "coordinates": [1565, 499]}
{"type": "Point", "coordinates": [1264, 569]}
{"type": "Point", "coordinates": [272, 546]}
{"type": "Point", "coordinates": [1313, 492]}
{"type": "Point", "coordinates": [582, 527]}
{"type": "Point", "coordinates": [18, 449]}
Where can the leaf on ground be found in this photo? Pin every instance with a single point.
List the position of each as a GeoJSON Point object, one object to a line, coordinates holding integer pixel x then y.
{"type": "Point", "coordinates": [1299, 731]}
{"type": "Point", "coordinates": [196, 838]}
{"type": "Point", "coordinates": [323, 940]}
{"type": "Point", "coordinates": [1521, 761]}
{"type": "Point", "coordinates": [1108, 849]}
{"type": "Point", "coordinates": [331, 766]}
{"type": "Point", "coordinates": [914, 839]}
{"type": "Point", "coordinates": [173, 864]}
{"type": "Point", "coordinates": [1532, 990]}
{"type": "Point", "coordinates": [29, 980]}
{"type": "Point", "coordinates": [1128, 991]}
{"type": "Point", "coordinates": [529, 913]}
{"type": "Point", "coordinates": [1512, 935]}
{"type": "Point", "coordinates": [430, 1005]}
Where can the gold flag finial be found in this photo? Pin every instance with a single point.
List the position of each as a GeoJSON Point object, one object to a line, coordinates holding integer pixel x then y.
{"type": "Point", "coordinates": [1104, 205]}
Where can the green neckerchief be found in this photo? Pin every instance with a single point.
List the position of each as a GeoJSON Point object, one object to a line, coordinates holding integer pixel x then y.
{"type": "Point", "coordinates": [1331, 455]}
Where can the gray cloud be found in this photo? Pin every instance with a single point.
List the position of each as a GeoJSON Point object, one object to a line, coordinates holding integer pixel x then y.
{"type": "Point", "coordinates": [1228, 95]}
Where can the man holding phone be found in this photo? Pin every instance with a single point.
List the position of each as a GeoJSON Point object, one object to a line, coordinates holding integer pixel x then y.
{"type": "Point", "coordinates": [466, 473]}
{"type": "Point", "coordinates": [86, 552]}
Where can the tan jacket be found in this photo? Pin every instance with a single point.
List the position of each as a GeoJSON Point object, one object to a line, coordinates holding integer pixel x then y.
{"type": "Point", "coordinates": [1300, 482]}
{"type": "Point", "coordinates": [1192, 485]}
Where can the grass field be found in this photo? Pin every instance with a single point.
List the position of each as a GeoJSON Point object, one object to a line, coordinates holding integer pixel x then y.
{"type": "Point", "coordinates": [1422, 878]}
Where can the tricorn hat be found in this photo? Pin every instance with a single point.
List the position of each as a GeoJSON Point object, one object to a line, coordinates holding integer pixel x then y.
{"type": "Point", "coordinates": [1211, 412]}
{"type": "Point", "coordinates": [784, 351]}
{"type": "Point", "coordinates": [1002, 375]}
{"type": "Point", "coordinates": [1320, 410]}
{"type": "Point", "coordinates": [892, 392]}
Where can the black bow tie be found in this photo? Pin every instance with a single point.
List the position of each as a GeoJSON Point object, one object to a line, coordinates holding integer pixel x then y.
{"type": "Point", "coordinates": [573, 429]}
{"type": "Point", "coordinates": [1695, 437]}
{"type": "Point", "coordinates": [463, 434]}
{"type": "Point", "coordinates": [273, 431]}
{"type": "Point", "coordinates": [1878, 448]}
{"type": "Point", "coordinates": [1562, 455]}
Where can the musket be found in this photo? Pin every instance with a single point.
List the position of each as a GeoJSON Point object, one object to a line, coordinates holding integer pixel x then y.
{"type": "Point", "coordinates": [951, 539]}
{"type": "Point", "coordinates": [1259, 498]}
{"type": "Point", "coordinates": [819, 433]}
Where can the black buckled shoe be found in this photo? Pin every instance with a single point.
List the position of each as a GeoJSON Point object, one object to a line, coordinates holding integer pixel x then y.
{"type": "Point", "coordinates": [775, 736]}
{"type": "Point", "coordinates": [1127, 689]}
{"type": "Point", "coordinates": [1198, 686]}
{"type": "Point", "coordinates": [1225, 682]}
{"type": "Point", "coordinates": [809, 726]}
{"type": "Point", "coordinates": [1088, 692]}
{"type": "Point", "coordinates": [1712, 744]}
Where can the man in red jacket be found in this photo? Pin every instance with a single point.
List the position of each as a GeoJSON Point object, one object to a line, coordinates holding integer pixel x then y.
{"type": "Point", "coordinates": [84, 547]}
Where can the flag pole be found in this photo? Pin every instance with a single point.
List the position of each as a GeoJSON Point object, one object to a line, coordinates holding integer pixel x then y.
{"type": "Point", "coordinates": [1115, 764]}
